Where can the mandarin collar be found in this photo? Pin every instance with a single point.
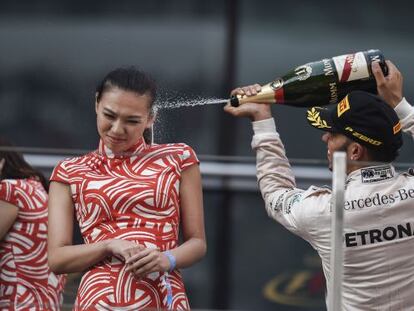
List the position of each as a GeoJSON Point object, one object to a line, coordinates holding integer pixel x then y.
{"type": "Point", "coordinates": [104, 157]}
{"type": "Point", "coordinates": [105, 152]}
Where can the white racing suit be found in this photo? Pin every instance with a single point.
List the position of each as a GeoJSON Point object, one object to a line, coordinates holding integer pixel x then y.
{"type": "Point", "coordinates": [378, 236]}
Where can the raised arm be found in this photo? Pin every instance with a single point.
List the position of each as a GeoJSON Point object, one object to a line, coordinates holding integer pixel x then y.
{"type": "Point", "coordinates": [284, 202]}
{"type": "Point", "coordinates": [390, 88]}
{"type": "Point", "coordinates": [64, 257]}
{"type": "Point", "coordinates": [274, 173]}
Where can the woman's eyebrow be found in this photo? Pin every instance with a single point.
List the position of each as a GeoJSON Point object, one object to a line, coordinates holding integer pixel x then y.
{"type": "Point", "coordinates": [127, 117]}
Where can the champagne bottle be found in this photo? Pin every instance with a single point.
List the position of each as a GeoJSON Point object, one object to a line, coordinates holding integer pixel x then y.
{"type": "Point", "coordinates": [321, 82]}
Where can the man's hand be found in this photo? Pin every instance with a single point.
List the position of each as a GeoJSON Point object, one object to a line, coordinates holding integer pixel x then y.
{"type": "Point", "coordinates": [254, 111]}
{"type": "Point", "coordinates": [389, 87]}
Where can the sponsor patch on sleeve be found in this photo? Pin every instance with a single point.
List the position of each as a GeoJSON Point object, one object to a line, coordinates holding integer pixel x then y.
{"type": "Point", "coordinates": [290, 201]}
{"type": "Point", "coordinates": [285, 201]}
{"type": "Point", "coordinates": [277, 202]}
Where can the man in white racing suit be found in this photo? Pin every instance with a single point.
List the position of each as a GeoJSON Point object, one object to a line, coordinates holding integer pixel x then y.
{"type": "Point", "coordinates": [378, 236]}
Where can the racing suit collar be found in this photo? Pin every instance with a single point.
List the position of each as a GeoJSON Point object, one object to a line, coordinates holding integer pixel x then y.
{"type": "Point", "coordinates": [372, 174]}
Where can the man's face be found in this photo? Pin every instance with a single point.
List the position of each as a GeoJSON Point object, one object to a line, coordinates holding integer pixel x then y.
{"type": "Point", "coordinates": [335, 142]}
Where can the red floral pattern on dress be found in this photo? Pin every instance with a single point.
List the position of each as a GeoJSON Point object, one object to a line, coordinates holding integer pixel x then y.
{"type": "Point", "coordinates": [26, 283]}
{"type": "Point", "coordinates": [132, 197]}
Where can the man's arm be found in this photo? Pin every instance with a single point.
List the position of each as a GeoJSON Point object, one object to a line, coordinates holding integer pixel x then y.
{"type": "Point", "coordinates": [274, 173]}
{"type": "Point", "coordinates": [390, 88]}
{"type": "Point", "coordinates": [273, 168]}
{"type": "Point", "coordinates": [276, 179]}
{"type": "Point", "coordinates": [406, 114]}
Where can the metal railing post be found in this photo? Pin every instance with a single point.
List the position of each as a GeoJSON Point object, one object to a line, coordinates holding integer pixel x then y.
{"type": "Point", "coordinates": [337, 252]}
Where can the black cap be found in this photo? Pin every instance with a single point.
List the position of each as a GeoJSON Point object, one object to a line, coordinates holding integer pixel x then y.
{"type": "Point", "coordinates": [363, 117]}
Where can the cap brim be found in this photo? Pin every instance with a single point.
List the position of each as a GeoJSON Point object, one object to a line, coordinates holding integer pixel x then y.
{"type": "Point", "coordinates": [320, 118]}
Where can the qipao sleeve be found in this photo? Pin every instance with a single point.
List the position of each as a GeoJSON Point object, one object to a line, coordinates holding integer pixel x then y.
{"type": "Point", "coordinates": [188, 157]}
{"type": "Point", "coordinates": [60, 174]}
{"type": "Point", "coordinates": [7, 189]}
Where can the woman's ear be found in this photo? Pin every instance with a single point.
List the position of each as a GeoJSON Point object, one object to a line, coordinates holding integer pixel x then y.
{"type": "Point", "coordinates": [2, 162]}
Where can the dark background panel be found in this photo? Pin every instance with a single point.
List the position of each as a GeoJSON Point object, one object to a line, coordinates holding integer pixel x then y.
{"type": "Point", "coordinates": [53, 54]}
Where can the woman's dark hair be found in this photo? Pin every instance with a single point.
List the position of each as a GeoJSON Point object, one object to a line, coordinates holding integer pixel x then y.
{"type": "Point", "coordinates": [15, 166]}
{"type": "Point", "coordinates": [133, 80]}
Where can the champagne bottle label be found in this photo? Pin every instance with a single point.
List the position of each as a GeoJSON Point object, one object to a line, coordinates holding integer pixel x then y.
{"type": "Point", "coordinates": [351, 67]}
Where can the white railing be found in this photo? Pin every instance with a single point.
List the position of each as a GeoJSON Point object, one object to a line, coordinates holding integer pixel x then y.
{"type": "Point", "coordinates": [337, 225]}
{"type": "Point", "coordinates": [220, 172]}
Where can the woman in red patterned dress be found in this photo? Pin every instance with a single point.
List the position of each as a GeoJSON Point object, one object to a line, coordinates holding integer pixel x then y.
{"type": "Point", "coordinates": [26, 283]}
{"type": "Point", "coordinates": [130, 198]}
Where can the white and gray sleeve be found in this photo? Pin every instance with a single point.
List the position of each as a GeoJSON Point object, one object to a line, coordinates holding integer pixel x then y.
{"type": "Point", "coordinates": [274, 174]}
{"type": "Point", "coordinates": [406, 114]}
{"type": "Point", "coordinates": [292, 207]}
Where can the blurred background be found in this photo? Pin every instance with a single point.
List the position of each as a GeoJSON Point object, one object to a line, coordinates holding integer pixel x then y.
{"type": "Point", "coordinates": [54, 53]}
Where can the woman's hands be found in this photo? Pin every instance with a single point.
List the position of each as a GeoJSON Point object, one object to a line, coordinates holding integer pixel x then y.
{"type": "Point", "coordinates": [139, 259]}
{"type": "Point", "coordinates": [147, 260]}
{"type": "Point", "coordinates": [123, 249]}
